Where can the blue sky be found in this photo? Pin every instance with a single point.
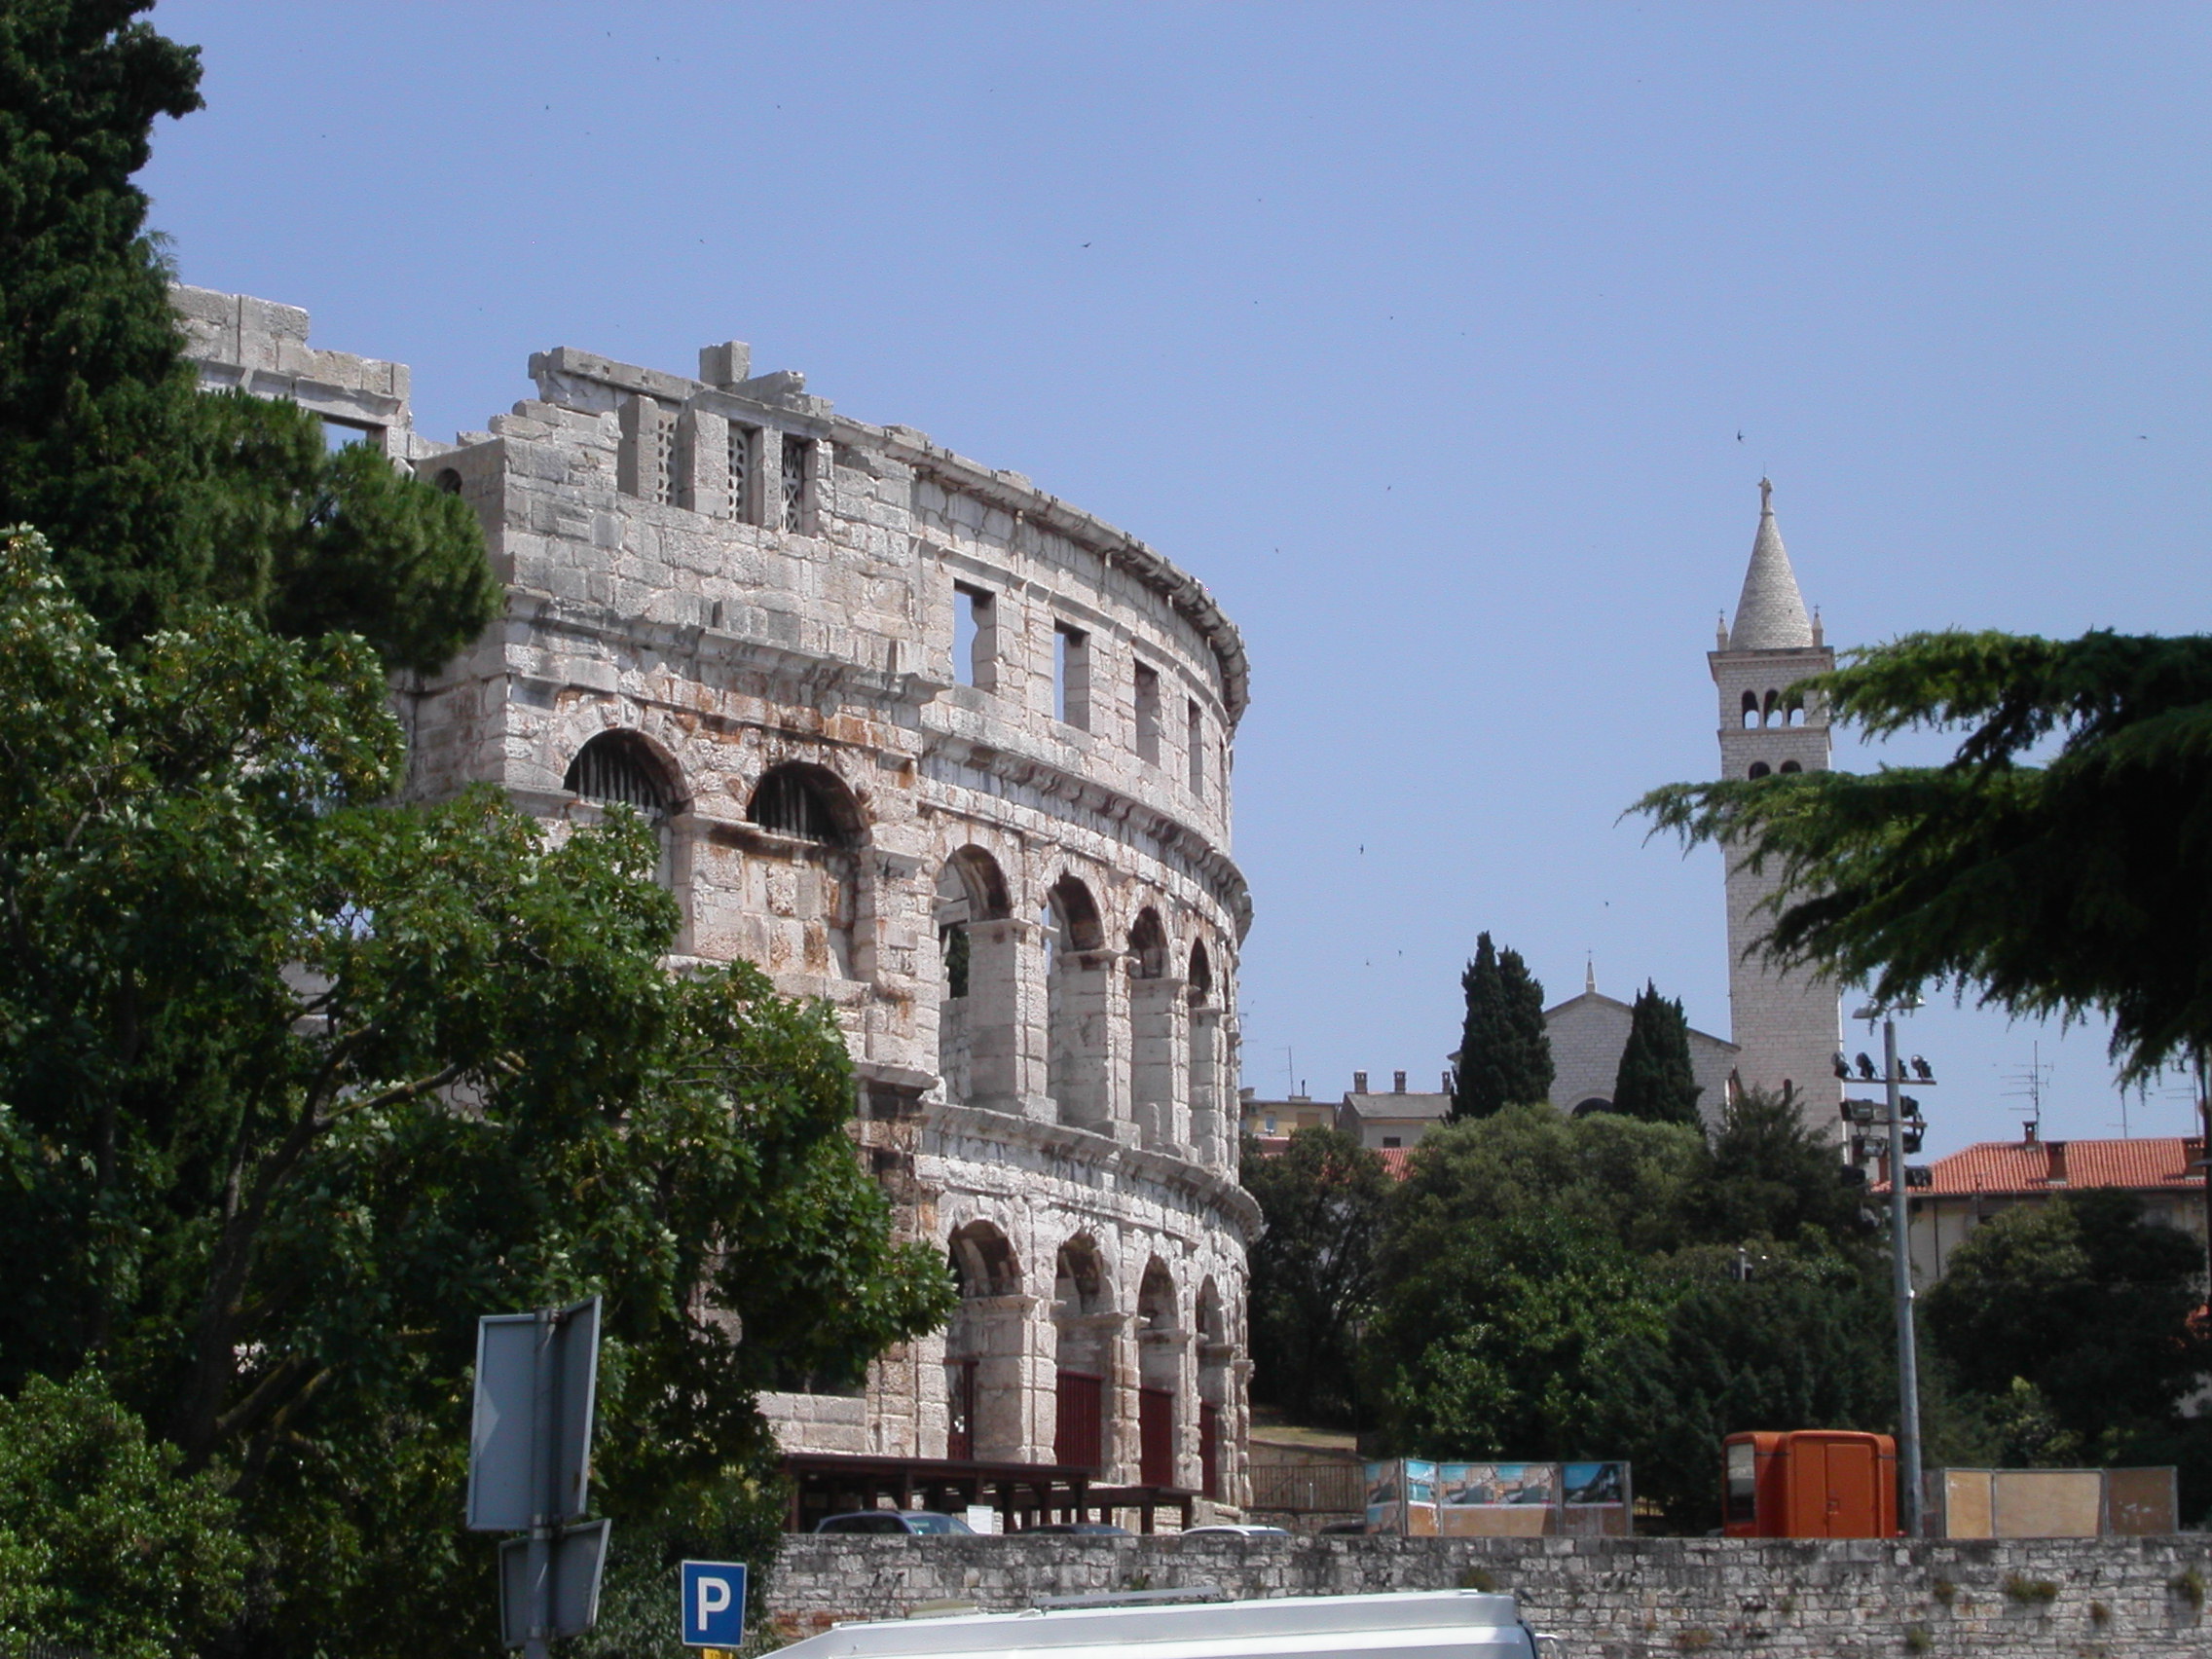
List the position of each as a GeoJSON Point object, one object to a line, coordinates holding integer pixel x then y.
{"type": "Point", "coordinates": [1423, 335]}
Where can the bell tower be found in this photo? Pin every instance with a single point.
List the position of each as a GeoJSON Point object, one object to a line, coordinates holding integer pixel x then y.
{"type": "Point", "coordinates": [1788, 1026]}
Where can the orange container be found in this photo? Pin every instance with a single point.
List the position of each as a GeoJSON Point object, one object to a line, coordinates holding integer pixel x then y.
{"type": "Point", "coordinates": [1810, 1483]}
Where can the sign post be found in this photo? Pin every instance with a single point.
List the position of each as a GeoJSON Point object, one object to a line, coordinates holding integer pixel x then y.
{"type": "Point", "coordinates": [530, 1468]}
{"type": "Point", "coordinates": [713, 1611]}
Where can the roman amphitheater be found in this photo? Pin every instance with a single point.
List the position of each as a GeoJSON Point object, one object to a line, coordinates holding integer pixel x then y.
{"type": "Point", "coordinates": [928, 743]}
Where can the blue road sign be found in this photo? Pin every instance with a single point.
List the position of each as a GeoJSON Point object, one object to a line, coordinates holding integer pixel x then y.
{"type": "Point", "coordinates": [713, 1603]}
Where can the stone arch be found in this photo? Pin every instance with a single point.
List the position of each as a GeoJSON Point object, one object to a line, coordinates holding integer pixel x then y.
{"type": "Point", "coordinates": [1078, 996]}
{"type": "Point", "coordinates": [984, 1347]}
{"type": "Point", "coordinates": [1148, 947]}
{"type": "Point", "coordinates": [979, 959]}
{"type": "Point", "coordinates": [1159, 1063]}
{"type": "Point", "coordinates": [807, 802]}
{"type": "Point", "coordinates": [1595, 1103]}
{"type": "Point", "coordinates": [1160, 1343]}
{"type": "Point", "coordinates": [1791, 766]}
{"type": "Point", "coordinates": [1750, 710]}
{"type": "Point", "coordinates": [1084, 1328]}
{"type": "Point", "coordinates": [800, 872]}
{"type": "Point", "coordinates": [1759, 769]}
{"type": "Point", "coordinates": [1770, 708]}
{"type": "Point", "coordinates": [621, 767]}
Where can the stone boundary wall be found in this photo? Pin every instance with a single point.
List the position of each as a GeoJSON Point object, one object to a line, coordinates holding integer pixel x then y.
{"type": "Point", "coordinates": [1606, 1598]}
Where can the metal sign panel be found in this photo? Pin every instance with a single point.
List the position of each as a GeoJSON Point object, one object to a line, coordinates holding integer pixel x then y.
{"type": "Point", "coordinates": [533, 1372]}
{"type": "Point", "coordinates": [713, 1613]}
{"type": "Point", "coordinates": [576, 1559]}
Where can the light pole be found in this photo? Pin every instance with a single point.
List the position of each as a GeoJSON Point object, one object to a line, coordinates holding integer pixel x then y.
{"type": "Point", "coordinates": [1901, 1254]}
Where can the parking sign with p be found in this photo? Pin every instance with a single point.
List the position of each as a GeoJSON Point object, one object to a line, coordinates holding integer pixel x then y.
{"type": "Point", "coordinates": [713, 1603]}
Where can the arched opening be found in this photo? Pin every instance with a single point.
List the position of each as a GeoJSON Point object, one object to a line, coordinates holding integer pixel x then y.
{"type": "Point", "coordinates": [1794, 714]}
{"type": "Point", "coordinates": [984, 1348]}
{"type": "Point", "coordinates": [1083, 1325]}
{"type": "Point", "coordinates": [1595, 1103]}
{"type": "Point", "coordinates": [808, 803]}
{"type": "Point", "coordinates": [620, 769]}
{"type": "Point", "coordinates": [801, 879]}
{"type": "Point", "coordinates": [1076, 993]}
{"type": "Point", "coordinates": [977, 1033]}
{"type": "Point", "coordinates": [1759, 769]}
{"type": "Point", "coordinates": [1750, 710]}
{"type": "Point", "coordinates": [448, 481]}
{"type": "Point", "coordinates": [1161, 1340]}
{"type": "Point", "coordinates": [1215, 1356]}
{"type": "Point", "coordinates": [1791, 766]}
{"type": "Point", "coordinates": [1157, 1051]}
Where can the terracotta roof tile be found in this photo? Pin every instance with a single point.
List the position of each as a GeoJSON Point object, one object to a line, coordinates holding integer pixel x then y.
{"type": "Point", "coordinates": [2045, 1166]}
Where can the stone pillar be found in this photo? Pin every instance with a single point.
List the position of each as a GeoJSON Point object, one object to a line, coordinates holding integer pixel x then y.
{"type": "Point", "coordinates": [1089, 1035]}
{"type": "Point", "coordinates": [701, 470]}
{"type": "Point", "coordinates": [641, 468]}
{"type": "Point", "coordinates": [995, 1332]}
{"type": "Point", "coordinates": [1159, 1063]}
{"type": "Point", "coordinates": [1005, 1035]}
{"type": "Point", "coordinates": [1212, 1136]}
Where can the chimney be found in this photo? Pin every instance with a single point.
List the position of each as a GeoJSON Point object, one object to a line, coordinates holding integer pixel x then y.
{"type": "Point", "coordinates": [2028, 1132]}
{"type": "Point", "coordinates": [1359, 1083]}
{"type": "Point", "coordinates": [1397, 1082]}
{"type": "Point", "coordinates": [1447, 1089]}
{"type": "Point", "coordinates": [2057, 1153]}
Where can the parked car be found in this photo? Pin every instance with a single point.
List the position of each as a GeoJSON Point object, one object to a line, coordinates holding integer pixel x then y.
{"type": "Point", "coordinates": [922, 1522]}
{"type": "Point", "coordinates": [1092, 1529]}
{"type": "Point", "coordinates": [1249, 1531]}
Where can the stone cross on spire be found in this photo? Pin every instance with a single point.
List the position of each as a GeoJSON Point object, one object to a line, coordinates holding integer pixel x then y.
{"type": "Point", "coordinates": [1770, 613]}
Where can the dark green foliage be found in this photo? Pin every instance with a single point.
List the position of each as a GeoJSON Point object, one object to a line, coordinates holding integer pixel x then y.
{"type": "Point", "coordinates": [1312, 1270]}
{"type": "Point", "coordinates": [1655, 1081]}
{"type": "Point", "coordinates": [297, 1085]}
{"type": "Point", "coordinates": [1606, 1286]}
{"type": "Point", "coordinates": [1769, 1174]}
{"type": "Point", "coordinates": [2086, 1304]}
{"type": "Point", "coordinates": [2081, 886]}
{"type": "Point", "coordinates": [154, 497]}
{"type": "Point", "coordinates": [1505, 1055]}
{"type": "Point", "coordinates": [103, 1545]}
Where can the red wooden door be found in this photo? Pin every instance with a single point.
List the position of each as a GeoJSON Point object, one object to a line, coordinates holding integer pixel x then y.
{"type": "Point", "coordinates": [1156, 1437]}
{"type": "Point", "coordinates": [1209, 1450]}
{"type": "Point", "coordinates": [1078, 1434]}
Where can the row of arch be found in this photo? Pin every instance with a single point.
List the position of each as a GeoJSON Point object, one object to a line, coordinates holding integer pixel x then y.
{"type": "Point", "coordinates": [1152, 1416]}
{"type": "Point", "coordinates": [808, 802]}
{"type": "Point", "coordinates": [1123, 1041]}
{"type": "Point", "coordinates": [1776, 709]}
{"type": "Point", "coordinates": [1760, 769]}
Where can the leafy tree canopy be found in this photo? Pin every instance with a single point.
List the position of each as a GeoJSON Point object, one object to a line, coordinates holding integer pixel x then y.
{"type": "Point", "coordinates": [1655, 1081]}
{"type": "Point", "coordinates": [1505, 1054]}
{"type": "Point", "coordinates": [1312, 1270]}
{"type": "Point", "coordinates": [156, 497]}
{"type": "Point", "coordinates": [296, 1086]}
{"type": "Point", "coordinates": [2087, 1304]}
{"type": "Point", "coordinates": [2079, 885]}
{"type": "Point", "coordinates": [104, 1546]}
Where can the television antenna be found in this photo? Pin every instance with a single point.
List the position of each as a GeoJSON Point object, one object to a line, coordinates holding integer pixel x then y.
{"type": "Point", "coordinates": [2029, 1083]}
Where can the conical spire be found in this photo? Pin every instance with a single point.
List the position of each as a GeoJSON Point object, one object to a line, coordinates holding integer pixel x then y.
{"type": "Point", "coordinates": [1770, 612]}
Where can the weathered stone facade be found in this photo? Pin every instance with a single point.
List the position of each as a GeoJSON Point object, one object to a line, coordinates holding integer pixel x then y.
{"type": "Point", "coordinates": [929, 744]}
{"type": "Point", "coordinates": [1785, 1023]}
{"type": "Point", "coordinates": [1604, 1597]}
{"type": "Point", "coordinates": [1588, 1034]}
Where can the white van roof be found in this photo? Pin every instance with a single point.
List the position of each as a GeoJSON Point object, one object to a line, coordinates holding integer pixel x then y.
{"type": "Point", "coordinates": [1433, 1624]}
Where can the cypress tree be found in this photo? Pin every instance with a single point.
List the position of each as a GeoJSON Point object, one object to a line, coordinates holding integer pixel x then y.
{"type": "Point", "coordinates": [1655, 1081]}
{"type": "Point", "coordinates": [1506, 1054]}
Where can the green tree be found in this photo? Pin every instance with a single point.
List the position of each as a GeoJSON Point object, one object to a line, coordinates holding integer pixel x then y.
{"type": "Point", "coordinates": [103, 1545]}
{"type": "Point", "coordinates": [1313, 1269]}
{"type": "Point", "coordinates": [298, 1083]}
{"type": "Point", "coordinates": [2087, 1304]}
{"type": "Point", "coordinates": [1769, 1174]}
{"type": "Point", "coordinates": [1505, 1054]}
{"type": "Point", "coordinates": [1655, 1081]}
{"type": "Point", "coordinates": [2077, 886]}
{"type": "Point", "coordinates": [154, 495]}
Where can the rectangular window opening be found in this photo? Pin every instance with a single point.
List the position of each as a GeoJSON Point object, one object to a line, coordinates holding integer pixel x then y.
{"type": "Point", "coordinates": [1071, 676]}
{"type": "Point", "coordinates": [975, 636]}
{"type": "Point", "coordinates": [344, 434]}
{"type": "Point", "coordinates": [742, 450]}
{"type": "Point", "coordinates": [1195, 746]}
{"type": "Point", "coordinates": [1148, 714]}
{"type": "Point", "coordinates": [798, 453]}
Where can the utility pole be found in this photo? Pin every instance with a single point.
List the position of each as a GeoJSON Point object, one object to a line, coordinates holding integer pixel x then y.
{"type": "Point", "coordinates": [1900, 1251]}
